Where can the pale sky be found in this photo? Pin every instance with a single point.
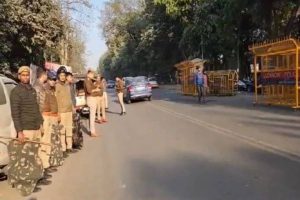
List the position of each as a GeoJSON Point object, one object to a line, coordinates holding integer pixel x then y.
{"type": "Point", "coordinates": [95, 44]}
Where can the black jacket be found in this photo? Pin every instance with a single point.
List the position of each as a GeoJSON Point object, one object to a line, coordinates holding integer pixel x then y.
{"type": "Point", "coordinates": [25, 109]}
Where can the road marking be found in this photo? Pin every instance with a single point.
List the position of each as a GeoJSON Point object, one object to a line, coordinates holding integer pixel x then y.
{"type": "Point", "coordinates": [229, 133]}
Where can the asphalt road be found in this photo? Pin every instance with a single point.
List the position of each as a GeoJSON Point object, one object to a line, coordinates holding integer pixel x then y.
{"type": "Point", "coordinates": [172, 148]}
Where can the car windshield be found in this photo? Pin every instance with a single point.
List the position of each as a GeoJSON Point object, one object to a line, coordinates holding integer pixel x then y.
{"type": "Point", "coordinates": [140, 79]}
{"type": "Point", "coordinates": [152, 79]}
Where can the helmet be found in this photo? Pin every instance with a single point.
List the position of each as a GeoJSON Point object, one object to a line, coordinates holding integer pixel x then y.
{"type": "Point", "coordinates": [51, 75]}
{"type": "Point", "coordinates": [61, 69]}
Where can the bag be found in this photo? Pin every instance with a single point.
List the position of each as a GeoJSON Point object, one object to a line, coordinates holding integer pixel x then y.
{"type": "Point", "coordinates": [77, 132]}
{"type": "Point", "coordinates": [199, 79]}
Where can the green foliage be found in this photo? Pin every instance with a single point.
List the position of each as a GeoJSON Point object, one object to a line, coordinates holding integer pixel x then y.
{"type": "Point", "coordinates": [27, 29]}
{"type": "Point", "coordinates": [32, 31]}
{"type": "Point", "coordinates": [150, 39]}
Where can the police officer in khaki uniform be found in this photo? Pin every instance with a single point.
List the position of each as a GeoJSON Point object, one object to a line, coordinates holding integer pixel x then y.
{"type": "Point", "coordinates": [120, 86]}
{"type": "Point", "coordinates": [91, 92]}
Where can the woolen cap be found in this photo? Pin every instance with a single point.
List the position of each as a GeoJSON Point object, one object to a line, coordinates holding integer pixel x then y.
{"type": "Point", "coordinates": [23, 69]}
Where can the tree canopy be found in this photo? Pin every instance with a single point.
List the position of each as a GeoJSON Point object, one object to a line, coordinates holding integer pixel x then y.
{"type": "Point", "coordinates": [149, 37]}
{"type": "Point", "coordinates": [33, 31]}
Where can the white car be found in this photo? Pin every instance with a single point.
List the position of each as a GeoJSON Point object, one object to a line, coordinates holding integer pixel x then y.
{"type": "Point", "coordinates": [6, 124]}
{"type": "Point", "coordinates": [153, 82]}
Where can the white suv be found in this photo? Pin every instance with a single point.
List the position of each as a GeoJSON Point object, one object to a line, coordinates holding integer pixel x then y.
{"type": "Point", "coordinates": [6, 124]}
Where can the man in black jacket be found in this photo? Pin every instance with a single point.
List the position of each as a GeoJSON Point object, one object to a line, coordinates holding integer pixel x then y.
{"type": "Point", "coordinates": [25, 111]}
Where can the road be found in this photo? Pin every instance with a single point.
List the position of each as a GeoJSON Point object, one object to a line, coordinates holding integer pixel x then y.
{"type": "Point", "coordinates": [172, 148]}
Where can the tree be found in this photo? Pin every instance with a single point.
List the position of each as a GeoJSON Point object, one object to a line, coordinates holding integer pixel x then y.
{"type": "Point", "coordinates": [27, 30]}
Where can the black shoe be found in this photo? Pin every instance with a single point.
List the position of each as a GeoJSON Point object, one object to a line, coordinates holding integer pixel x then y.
{"type": "Point", "coordinates": [47, 175]}
{"type": "Point", "coordinates": [71, 151]}
{"type": "Point", "coordinates": [44, 182]}
{"type": "Point", "coordinates": [50, 170]}
{"type": "Point", "coordinates": [37, 189]}
{"type": "Point", "coordinates": [65, 154]}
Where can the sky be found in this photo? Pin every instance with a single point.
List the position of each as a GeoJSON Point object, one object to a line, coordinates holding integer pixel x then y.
{"type": "Point", "coordinates": [95, 44]}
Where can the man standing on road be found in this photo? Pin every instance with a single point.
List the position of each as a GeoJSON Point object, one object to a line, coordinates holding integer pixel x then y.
{"type": "Point", "coordinates": [50, 114]}
{"type": "Point", "coordinates": [65, 110]}
{"type": "Point", "coordinates": [25, 111]}
{"type": "Point", "coordinates": [103, 80]}
{"type": "Point", "coordinates": [28, 121]}
{"type": "Point", "coordinates": [101, 118]}
{"type": "Point", "coordinates": [40, 89]}
{"type": "Point", "coordinates": [199, 83]}
{"type": "Point", "coordinates": [39, 86]}
{"type": "Point", "coordinates": [70, 81]}
{"type": "Point", "coordinates": [120, 93]}
{"type": "Point", "coordinates": [91, 91]}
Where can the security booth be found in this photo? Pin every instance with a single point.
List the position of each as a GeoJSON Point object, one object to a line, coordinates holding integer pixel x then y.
{"type": "Point", "coordinates": [187, 70]}
{"type": "Point", "coordinates": [223, 82]}
{"type": "Point", "coordinates": [220, 82]}
{"type": "Point", "coordinates": [276, 72]}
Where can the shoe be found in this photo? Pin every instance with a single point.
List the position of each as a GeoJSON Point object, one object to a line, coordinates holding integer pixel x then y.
{"type": "Point", "coordinates": [36, 189]}
{"type": "Point", "coordinates": [98, 121]}
{"type": "Point", "coordinates": [124, 113]}
{"type": "Point", "coordinates": [44, 182]}
{"type": "Point", "coordinates": [47, 175]}
{"type": "Point", "coordinates": [50, 170]}
{"type": "Point", "coordinates": [94, 135]}
{"type": "Point", "coordinates": [71, 151]}
{"type": "Point", "coordinates": [65, 154]}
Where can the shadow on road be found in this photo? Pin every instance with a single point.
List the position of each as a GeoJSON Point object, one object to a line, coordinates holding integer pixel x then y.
{"type": "Point", "coordinates": [192, 177]}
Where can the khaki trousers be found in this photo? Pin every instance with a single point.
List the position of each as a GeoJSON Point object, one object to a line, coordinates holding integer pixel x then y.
{"type": "Point", "coordinates": [49, 121]}
{"type": "Point", "coordinates": [66, 119]}
{"type": "Point", "coordinates": [32, 134]}
{"type": "Point", "coordinates": [105, 99]}
{"type": "Point", "coordinates": [101, 107]}
{"type": "Point", "coordinates": [121, 101]}
{"type": "Point", "coordinates": [92, 104]}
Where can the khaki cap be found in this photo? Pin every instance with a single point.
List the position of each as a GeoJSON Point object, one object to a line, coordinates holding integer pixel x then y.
{"type": "Point", "coordinates": [23, 69]}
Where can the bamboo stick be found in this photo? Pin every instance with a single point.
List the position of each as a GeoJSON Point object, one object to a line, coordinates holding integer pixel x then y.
{"type": "Point", "coordinates": [30, 141]}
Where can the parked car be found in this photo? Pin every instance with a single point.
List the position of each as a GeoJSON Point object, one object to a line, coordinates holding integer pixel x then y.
{"type": "Point", "coordinates": [250, 85]}
{"type": "Point", "coordinates": [111, 84]}
{"type": "Point", "coordinates": [6, 123]}
{"type": "Point", "coordinates": [137, 88]}
{"type": "Point", "coordinates": [153, 82]}
{"type": "Point", "coordinates": [241, 85]}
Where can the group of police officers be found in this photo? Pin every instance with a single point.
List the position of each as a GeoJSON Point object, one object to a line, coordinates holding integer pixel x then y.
{"type": "Point", "coordinates": [43, 119]}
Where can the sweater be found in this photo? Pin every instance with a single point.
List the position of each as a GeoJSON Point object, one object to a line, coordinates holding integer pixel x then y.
{"type": "Point", "coordinates": [25, 110]}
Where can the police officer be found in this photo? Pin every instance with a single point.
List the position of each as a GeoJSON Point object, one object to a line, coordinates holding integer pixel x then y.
{"type": "Point", "coordinates": [120, 86]}
{"type": "Point", "coordinates": [65, 110]}
{"type": "Point", "coordinates": [27, 118]}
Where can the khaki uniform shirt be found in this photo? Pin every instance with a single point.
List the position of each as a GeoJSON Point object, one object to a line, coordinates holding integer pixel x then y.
{"type": "Point", "coordinates": [63, 97]}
